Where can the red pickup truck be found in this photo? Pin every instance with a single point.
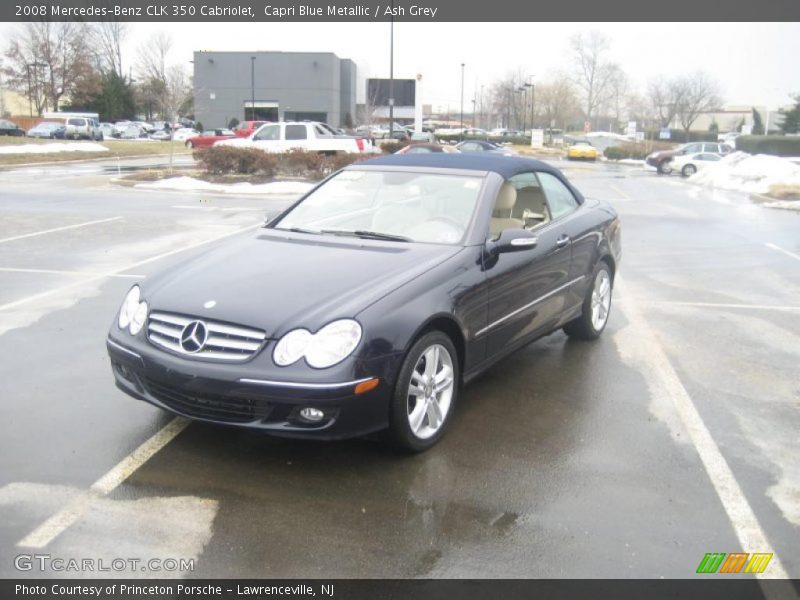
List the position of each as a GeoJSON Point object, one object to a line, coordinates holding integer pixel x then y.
{"type": "Point", "coordinates": [207, 138]}
{"type": "Point", "coordinates": [246, 128]}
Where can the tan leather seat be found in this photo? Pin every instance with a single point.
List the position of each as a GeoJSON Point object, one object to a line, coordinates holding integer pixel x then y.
{"type": "Point", "coordinates": [503, 208]}
{"type": "Point", "coordinates": [531, 206]}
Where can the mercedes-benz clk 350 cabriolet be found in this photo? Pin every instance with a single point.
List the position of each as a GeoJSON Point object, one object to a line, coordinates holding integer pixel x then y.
{"type": "Point", "coordinates": [368, 303]}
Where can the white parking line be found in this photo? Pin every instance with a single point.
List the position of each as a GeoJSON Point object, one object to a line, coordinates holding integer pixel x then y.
{"type": "Point", "coordinates": [779, 249]}
{"type": "Point", "coordinates": [663, 377]}
{"type": "Point", "coordinates": [55, 525]}
{"type": "Point", "coordinates": [70, 286]}
{"type": "Point", "coordinates": [35, 233]}
{"type": "Point", "coordinates": [722, 305]}
{"type": "Point", "coordinates": [61, 272]}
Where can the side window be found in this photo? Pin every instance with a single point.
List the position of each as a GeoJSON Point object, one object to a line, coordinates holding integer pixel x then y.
{"type": "Point", "coordinates": [692, 148]}
{"type": "Point", "coordinates": [76, 121]}
{"type": "Point", "coordinates": [270, 132]}
{"type": "Point", "coordinates": [559, 197]}
{"type": "Point", "coordinates": [296, 132]}
{"type": "Point", "coordinates": [470, 147]}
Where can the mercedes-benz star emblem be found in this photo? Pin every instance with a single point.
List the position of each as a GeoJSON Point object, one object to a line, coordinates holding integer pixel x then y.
{"type": "Point", "coordinates": [194, 336]}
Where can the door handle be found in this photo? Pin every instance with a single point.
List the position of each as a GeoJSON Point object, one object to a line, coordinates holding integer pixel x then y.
{"type": "Point", "coordinates": [563, 241]}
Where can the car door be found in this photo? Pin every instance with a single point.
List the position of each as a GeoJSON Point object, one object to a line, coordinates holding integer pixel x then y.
{"type": "Point", "coordinates": [526, 287]}
{"type": "Point", "coordinates": [581, 229]}
{"type": "Point", "coordinates": [268, 138]}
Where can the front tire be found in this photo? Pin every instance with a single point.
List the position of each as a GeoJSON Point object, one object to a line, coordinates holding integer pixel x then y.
{"type": "Point", "coordinates": [425, 393]}
{"type": "Point", "coordinates": [664, 168]}
{"type": "Point", "coordinates": [596, 306]}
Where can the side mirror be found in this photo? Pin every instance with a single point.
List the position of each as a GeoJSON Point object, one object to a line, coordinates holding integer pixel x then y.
{"type": "Point", "coordinates": [271, 215]}
{"type": "Point", "coordinates": [512, 240]}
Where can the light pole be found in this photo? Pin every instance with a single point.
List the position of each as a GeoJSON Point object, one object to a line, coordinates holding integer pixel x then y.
{"type": "Point", "coordinates": [533, 99]}
{"type": "Point", "coordinates": [524, 91]}
{"type": "Point", "coordinates": [391, 72]}
{"type": "Point", "coordinates": [252, 89]}
{"type": "Point", "coordinates": [462, 102]}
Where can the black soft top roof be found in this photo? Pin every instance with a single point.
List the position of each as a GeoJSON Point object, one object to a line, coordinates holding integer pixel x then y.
{"type": "Point", "coordinates": [505, 166]}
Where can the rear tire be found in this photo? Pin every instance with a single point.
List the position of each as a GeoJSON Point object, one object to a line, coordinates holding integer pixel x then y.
{"type": "Point", "coordinates": [688, 170]}
{"type": "Point", "coordinates": [425, 393]}
{"type": "Point", "coordinates": [596, 306]}
{"type": "Point", "coordinates": [664, 168]}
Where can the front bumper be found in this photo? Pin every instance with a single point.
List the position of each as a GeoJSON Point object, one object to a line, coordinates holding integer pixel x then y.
{"type": "Point", "coordinates": [237, 396]}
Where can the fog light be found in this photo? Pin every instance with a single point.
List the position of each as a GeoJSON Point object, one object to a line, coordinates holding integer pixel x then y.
{"type": "Point", "coordinates": [312, 414]}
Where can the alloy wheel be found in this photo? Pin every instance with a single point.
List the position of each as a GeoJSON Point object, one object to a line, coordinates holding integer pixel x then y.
{"type": "Point", "coordinates": [430, 391]}
{"type": "Point", "coordinates": [601, 299]}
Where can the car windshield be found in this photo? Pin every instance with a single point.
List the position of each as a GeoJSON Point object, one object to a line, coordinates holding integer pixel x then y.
{"type": "Point", "coordinates": [406, 206]}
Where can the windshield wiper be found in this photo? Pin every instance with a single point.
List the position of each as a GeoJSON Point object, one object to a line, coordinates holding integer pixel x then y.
{"type": "Point", "coordinates": [372, 235]}
{"type": "Point", "coordinates": [304, 230]}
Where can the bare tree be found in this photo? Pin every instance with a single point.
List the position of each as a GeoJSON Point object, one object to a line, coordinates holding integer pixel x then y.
{"type": "Point", "coordinates": [666, 96]}
{"type": "Point", "coordinates": [556, 100]}
{"type": "Point", "coordinates": [177, 92]}
{"type": "Point", "coordinates": [593, 71]}
{"type": "Point", "coordinates": [700, 93]}
{"type": "Point", "coordinates": [46, 61]}
{"type": "Point", "coordinates": [152, 57]}
{"type": "Point", "coordinates": [108, 37]}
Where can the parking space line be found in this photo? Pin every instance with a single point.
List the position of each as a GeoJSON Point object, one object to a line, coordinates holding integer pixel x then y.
{"type": "Point", "coordinates": [779, 249]}
{"type": "Point", "coordinates": [745, 524]}
{"type": "Point", "coordinates": [62, 272]}
{"type": "Point", "coordinates": [59, 522]}
{"type": "Point", "coordinates": [723, 305]}
{"type": "Point", "coordinates": [64, 228]}
{"type": "Point", "coordinates": [70, 286]}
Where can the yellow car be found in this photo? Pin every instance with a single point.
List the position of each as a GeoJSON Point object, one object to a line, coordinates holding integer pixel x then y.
{"type": "Point", "coordinates": [581, 151]}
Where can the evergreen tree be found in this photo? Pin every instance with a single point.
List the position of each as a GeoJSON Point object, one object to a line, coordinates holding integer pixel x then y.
{"type": "Point", "coordinates": [758, 124]}
{"type": "Point", "coordinates": [791, 118]}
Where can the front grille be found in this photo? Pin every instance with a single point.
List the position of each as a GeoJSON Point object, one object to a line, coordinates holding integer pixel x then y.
{"type": "Point", "coordinates": [228, 409]}
{"type": "Point", "coordinates": [224, 342]}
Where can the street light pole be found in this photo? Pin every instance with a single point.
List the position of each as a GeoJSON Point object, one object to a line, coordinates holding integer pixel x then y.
{"type": "Point", "coordinates": [462, 102]}
{"type": "Point", "coordinates": [391, 72]}
{"type": "Point", "coordinates": [252, 89]}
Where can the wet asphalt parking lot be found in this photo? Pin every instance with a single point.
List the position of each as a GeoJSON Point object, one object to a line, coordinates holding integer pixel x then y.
{"type": "Point", "coordinates": [674, 435]}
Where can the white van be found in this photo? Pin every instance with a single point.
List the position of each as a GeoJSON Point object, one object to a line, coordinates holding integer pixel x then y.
{"type": "Point", "coordinates": [80, 126]}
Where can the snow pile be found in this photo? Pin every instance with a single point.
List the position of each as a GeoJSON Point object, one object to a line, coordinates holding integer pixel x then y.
{"type": "Point", "coordinates": [53, 148]}
{"type": "Point", "coordinates": [754, 174]}
{"type": "Point", "coordinates": [190, 184]}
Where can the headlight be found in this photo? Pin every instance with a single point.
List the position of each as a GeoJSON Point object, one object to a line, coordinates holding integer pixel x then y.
{"type": "Point", "coordinates": [333, 343]}
{"type": "Point", "coordinates": [129, 306]}
{"type": "Point", "coordinates": [291, 347]}
{"type": "Point", "coordinates": [139, 317]}
{"type": "Point", "coordinates": [329, 346]}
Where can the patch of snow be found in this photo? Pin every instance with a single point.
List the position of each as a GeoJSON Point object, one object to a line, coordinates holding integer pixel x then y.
{"type": "Point", "coordinates": [785, 204]}
{"type": "Point", "coordinates": [53, 148]}
{"type": "Point", "coordinates": [753, 174]}
{"type": "Point", "coordinates": [190, 184]}
{"type": "Point", "coordinates": [631, 161]}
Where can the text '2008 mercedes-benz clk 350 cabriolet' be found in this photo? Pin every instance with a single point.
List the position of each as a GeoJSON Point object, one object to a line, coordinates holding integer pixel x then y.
{"type": "Point", "coordinates": [369, 302]}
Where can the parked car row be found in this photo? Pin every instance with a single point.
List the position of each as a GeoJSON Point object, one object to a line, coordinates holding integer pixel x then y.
{"type": "Point", "coordinates": [687, 159]}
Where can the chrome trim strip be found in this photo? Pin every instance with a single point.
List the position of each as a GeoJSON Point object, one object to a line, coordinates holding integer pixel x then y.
{"type": "Point", "coordinates": [520, 309]}
{"type": "Point", "coordinates": [310, 386]}
{"type": "Point", "coordinates": [111, 342]}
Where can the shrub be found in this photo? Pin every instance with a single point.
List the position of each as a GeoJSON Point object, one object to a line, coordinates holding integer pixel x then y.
{"type": "Point", "coordinates": [625, 151]}
{"type": "Point", "coordinates": [222, 160]}
{"type": "Point", "coordinates": [776, 145]}
{"type": "Point", "coordinates": [393, 146]}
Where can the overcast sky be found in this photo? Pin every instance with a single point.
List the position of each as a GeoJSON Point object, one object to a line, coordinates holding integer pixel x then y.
{"type": "Point", "coordinates": [754, 63]}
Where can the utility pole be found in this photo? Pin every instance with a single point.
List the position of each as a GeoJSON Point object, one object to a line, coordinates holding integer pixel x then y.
{"type": "Point", "coordinates": [462, 102]}
{"type": "Point", "coordinates": [391, 72]}
{"type": "Point", "coordinates": [252, 89]}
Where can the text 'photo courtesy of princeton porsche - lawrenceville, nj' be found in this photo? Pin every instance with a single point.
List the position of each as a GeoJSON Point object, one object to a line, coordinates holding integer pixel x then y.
{"type": "Point", "coordinates": [402, 300]}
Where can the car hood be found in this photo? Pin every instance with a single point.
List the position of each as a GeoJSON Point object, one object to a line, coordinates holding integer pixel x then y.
{"type": "Point", "coordinates": [277, 281]}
